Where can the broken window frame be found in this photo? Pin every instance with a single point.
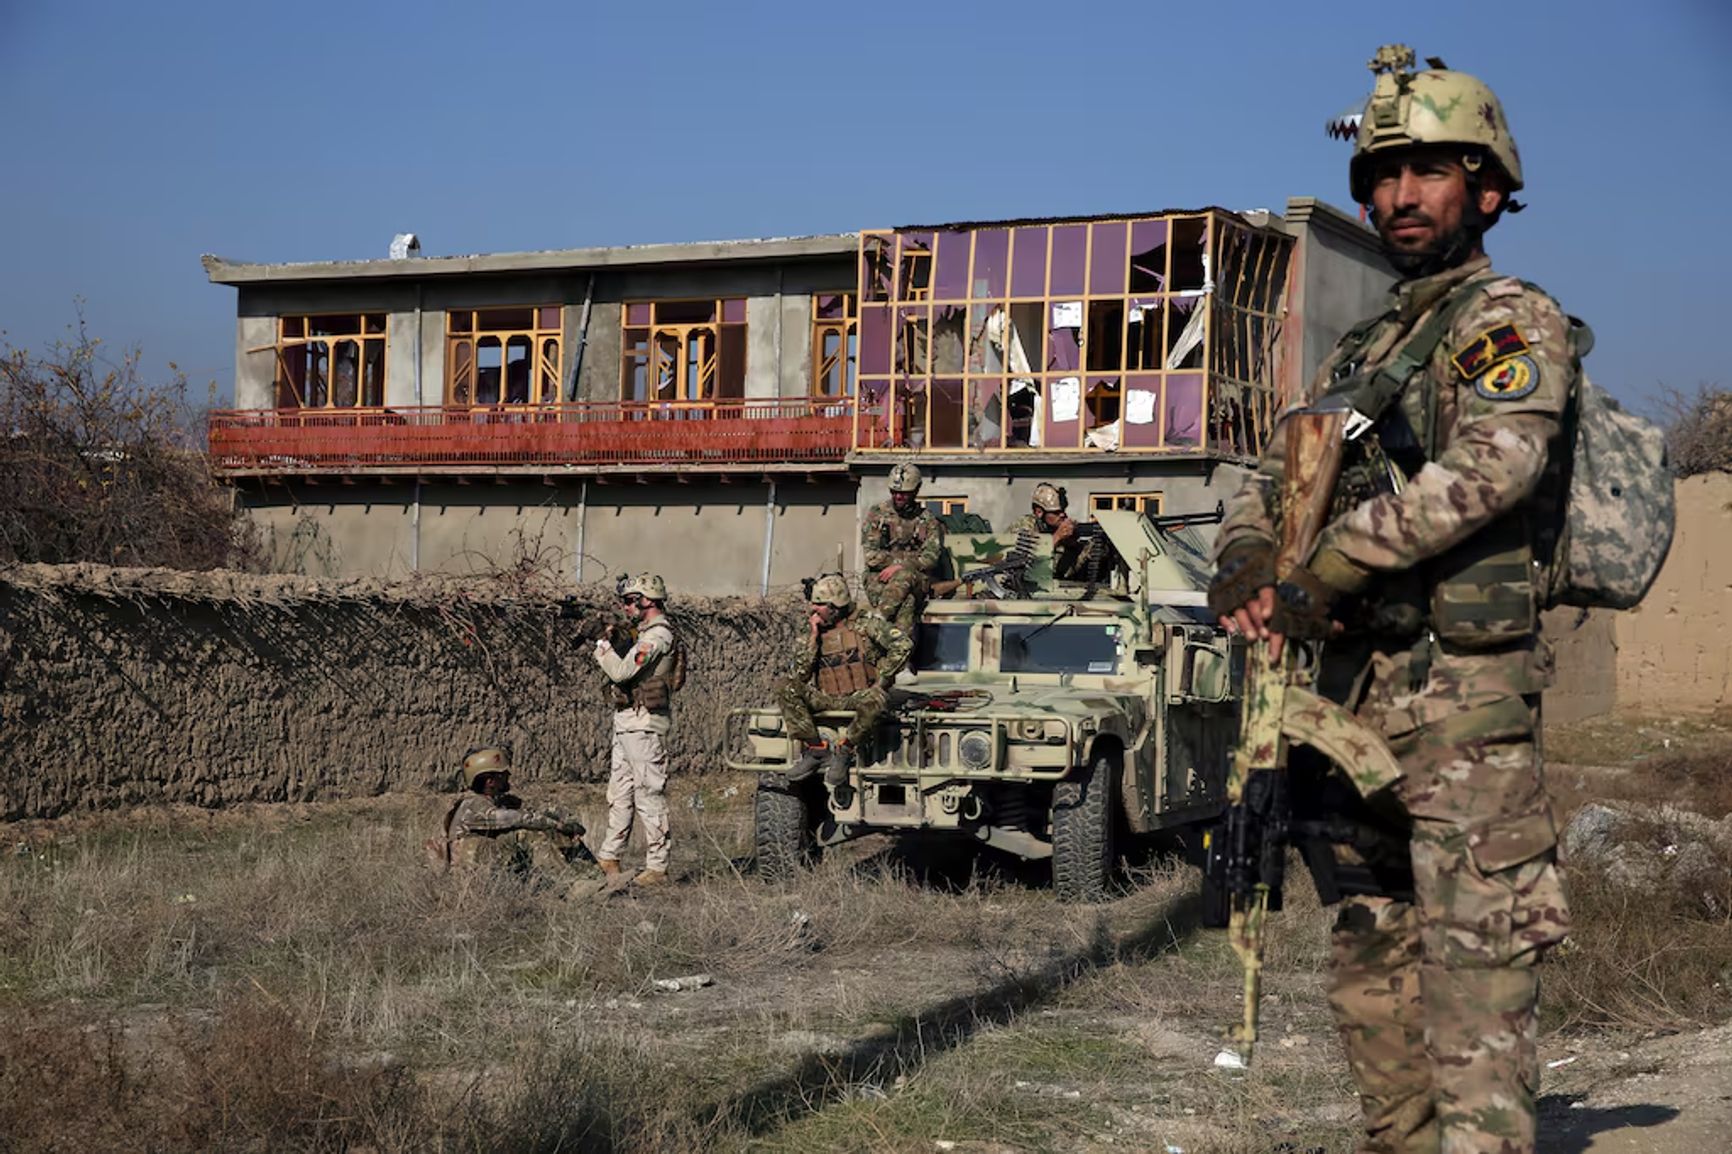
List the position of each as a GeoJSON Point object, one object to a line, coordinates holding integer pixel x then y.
{"type": "Point", "coordinates": [841, 366]}
{"type": "Point", "coordinates": [367, 334]}
{"type": "Point", "coordinates": [465, 335]}
{"type": "Point", "coordinates": [677, 368]}
{"type": "Point", "coordinates": [908, 410]}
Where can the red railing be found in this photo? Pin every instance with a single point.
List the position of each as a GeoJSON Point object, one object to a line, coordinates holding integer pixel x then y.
{"type": "Point", "coordinates": [795, 430]}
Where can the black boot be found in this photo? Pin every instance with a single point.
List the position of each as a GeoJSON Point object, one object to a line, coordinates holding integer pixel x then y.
{"type": "Point", "coordinates": [810, 759]}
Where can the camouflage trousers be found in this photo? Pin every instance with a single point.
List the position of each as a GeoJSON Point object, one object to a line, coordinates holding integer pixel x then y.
{"type": "Point", "coordinates": [1436, 997]}
{"type": "Point", "coordinates": [637, 789]}
{"type": "Point", "coordinates": [800, 701]}
{"type": "Point", "coordinates": [545, 859]}
{"type": "Point", "coordinates": [899, 599]}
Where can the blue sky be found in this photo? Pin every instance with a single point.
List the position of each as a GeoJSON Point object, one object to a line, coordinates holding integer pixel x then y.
{"type": "Point", "coordinates": [141, 135]}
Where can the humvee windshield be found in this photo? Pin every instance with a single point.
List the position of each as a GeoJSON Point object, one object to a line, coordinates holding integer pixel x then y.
{"type": "Point", "coordinates": [1043, 648]}
{"type": "Point", "coordinates": [943, 648]}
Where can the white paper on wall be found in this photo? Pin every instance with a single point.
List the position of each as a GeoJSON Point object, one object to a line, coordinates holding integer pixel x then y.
{"type": "Point", "coordinates": [1067, 314]}
{"type": "Point", "coordinates": [1066, 398]}
{"type": "Point", "coordinates": [1140, 407]}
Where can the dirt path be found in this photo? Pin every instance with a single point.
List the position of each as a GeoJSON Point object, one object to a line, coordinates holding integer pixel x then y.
{"type": "Point", "coordinates": [1663, 1095]}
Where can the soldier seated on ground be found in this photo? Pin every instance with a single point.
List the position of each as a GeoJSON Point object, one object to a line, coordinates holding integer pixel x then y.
{"type": "Point", "coordinates": [488, 826]}
{"type": "Point", "coordinates": [1047, 515]}
{"type": "Point", "coordinates": [846, 662]}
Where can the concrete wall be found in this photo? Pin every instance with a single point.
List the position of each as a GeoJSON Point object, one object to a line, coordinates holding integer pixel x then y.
{"type": "Point", "coordinates": [703, 536]}
{"type": "Point", "coordinates": [1341, 275]}
{"type": "Point", "coordinates": [778, 320]}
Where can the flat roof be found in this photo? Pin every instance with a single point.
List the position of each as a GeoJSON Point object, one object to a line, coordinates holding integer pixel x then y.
{"type": "Point", "coordinates": [224, 271]}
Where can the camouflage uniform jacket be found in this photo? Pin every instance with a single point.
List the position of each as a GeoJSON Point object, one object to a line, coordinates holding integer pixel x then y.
{"type": "Point", "coordinates": [1069, 559]}
{"type": "Point", "coordinates": [887, 647]}
{"type": "Point", "coordinates": [649, 656]}
{"type": "Point", "coordinates": [914, 542]}
{"type": "Point", "coordinates": [476, 816]}
{"type": "Point", "coordinates": [1502, 377]}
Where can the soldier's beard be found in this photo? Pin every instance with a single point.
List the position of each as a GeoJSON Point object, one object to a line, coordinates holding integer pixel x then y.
{"type": "Point", "coordinates": [1456, 247]}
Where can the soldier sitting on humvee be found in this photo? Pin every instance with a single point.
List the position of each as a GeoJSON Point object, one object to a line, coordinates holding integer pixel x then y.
{"type": "Point", "coordinates": [847, 661]}
{"type": "Point", "coordinates": [489, 826]}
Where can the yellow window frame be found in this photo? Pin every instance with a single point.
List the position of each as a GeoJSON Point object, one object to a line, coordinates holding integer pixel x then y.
{"type": "Point", "coordinates": [546, 354]}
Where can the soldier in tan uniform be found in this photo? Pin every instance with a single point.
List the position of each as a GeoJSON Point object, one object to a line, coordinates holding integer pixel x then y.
{"type": "Point", "coordinates": [644, 680]}
{"type": "Point", "coordinates": [847, 661]}
{"type": "Point", "coordinates": [489, 826]}
{"type": "Point", "coordinates": [1422, 588]}
{"type": "Point", "coordinates": [902, 543]}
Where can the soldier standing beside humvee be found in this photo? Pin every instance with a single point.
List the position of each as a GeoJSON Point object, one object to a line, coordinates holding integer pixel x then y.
{"type": "Point", "coordinates": [644, 680]}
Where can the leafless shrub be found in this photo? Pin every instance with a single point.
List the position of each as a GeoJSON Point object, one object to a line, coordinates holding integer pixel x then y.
{"type": "Point", "coordinates": [98, 464]}
{"type": "Point", "coordinates": [1698, 430]}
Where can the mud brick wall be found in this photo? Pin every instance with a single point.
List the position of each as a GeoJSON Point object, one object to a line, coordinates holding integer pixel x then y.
{"type": "Point", "coordinates": [126, 687]}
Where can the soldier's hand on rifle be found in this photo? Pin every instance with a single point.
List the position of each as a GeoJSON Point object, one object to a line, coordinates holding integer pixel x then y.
{"type": "Point", "coordinates": [889, 571]}
{"type": "Point", "coordinates": [1304, 605]}
{"type": "Point", "coordinates": [1242, 594]}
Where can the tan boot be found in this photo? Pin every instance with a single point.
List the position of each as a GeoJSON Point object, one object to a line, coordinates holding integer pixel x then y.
{"type": "Point", "coordinates": [609, 866]}
{"type": "Point", "coordinates": [650, 878]}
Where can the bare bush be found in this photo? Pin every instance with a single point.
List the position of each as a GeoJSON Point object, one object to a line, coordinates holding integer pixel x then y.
{"type": "Point", "coordinates": [98, 464]}
{"type": "Point", "coordinates": [1698, 430]}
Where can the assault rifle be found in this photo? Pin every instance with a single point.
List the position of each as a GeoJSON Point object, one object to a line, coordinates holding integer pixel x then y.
{"type": "Point", "coordinates": [944, 701]}
{"type": "Point", "coordinates": [595, 625]}
{"type": "Point", "coordinates": [1245, 853]}
{"type": "Point", "coordinates": [1165, 521]}
{"type": "Point", "coordinates": [1007, 578]}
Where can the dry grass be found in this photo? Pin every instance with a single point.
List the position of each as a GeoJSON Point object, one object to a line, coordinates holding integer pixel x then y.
{"type": "Point", "coordinates": [291, 978]}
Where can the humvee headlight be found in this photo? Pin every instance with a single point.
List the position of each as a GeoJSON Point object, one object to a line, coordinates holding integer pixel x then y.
{"type": "Point", "coordinates": [974, 749]}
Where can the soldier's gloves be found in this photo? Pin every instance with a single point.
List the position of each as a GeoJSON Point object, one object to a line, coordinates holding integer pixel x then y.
{"type": "Point", "coordinates": [1303, 606]}
{"type": "Point", "coordinates": [1245, 567]}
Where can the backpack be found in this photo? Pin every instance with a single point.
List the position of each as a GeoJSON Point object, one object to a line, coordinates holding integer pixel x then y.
{"type": "Point", "coordinates": [1615, 527]}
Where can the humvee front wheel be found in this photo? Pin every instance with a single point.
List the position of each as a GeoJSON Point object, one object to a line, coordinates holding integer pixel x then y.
{"type": "Point", "coordinates": [1082, 833]}
{"type": "Point", "coordinates": [782, 833]}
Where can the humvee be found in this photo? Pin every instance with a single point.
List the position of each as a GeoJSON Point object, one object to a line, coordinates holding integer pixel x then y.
{"type": "Point", "coordinates": [1046, 718]}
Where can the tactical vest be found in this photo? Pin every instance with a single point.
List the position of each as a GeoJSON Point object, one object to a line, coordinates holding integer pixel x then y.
{"type": "Point", "coordinates": [904, 536]}
{"type": "Point", "coordinates": [843, 666]}
{"type": "Point", "coordinates": [653, 688]}
{"type": "Point", "coordinates": [1481, 594]}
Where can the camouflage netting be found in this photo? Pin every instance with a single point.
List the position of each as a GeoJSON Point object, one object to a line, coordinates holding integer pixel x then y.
{"type": "Point", "coordinates": [130, 686]}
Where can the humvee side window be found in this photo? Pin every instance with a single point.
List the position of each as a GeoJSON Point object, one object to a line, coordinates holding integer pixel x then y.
{"type": "Point", "coordinates": [942, 648]}
{"type": "Point", "coordinates": [1037, 648]}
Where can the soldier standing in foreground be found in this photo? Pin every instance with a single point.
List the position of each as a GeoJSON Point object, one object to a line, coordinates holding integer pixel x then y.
{"type": "Point", "coordinates": [489, 825]}
{"type": "Point", "coordinates": [847, 661]}
{"type": "Point", "coordinates": [644, 680]}
{"type": "Point", "coordinates": [1422, 588]}
{"type": "Point", "coordinates": [902, 543]}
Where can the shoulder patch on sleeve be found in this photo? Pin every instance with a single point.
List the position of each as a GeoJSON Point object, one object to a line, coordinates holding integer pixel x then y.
{"type": "Point", "coordinates": [1511, 380]}
{"type": "Point", "coordinates": [1493, 346]}
{"type": "Point", "coordinates": [1508, 286]}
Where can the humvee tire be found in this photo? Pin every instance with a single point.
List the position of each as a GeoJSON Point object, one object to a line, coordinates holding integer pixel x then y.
{"type": "Point", "coordinates": [782, 834]}
{"type": "Point", "coordinates": [1082, 833]}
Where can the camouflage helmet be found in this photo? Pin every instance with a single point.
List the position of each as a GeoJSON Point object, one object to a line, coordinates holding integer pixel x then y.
{"type": "Point", "coordinates": [1434, 106]}
{"type": "Point", "coordinates": [832, 589]}
{"type": "Point", "coordinates": [905, 478]}
{"type": "Point", "coordinates": [1048, 498]}
{"type": "Point", "coordinates": [482, 762]}
{"type": "Point", "coordinates": [649, 586]}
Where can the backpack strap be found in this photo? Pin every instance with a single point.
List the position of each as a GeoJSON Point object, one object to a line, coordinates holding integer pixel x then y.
{"type": "Point", "coordinates": [1373, 396]}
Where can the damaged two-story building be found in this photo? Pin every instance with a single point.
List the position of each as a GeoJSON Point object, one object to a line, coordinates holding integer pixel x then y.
{"type": "Point", "coordinates": [724, 413]}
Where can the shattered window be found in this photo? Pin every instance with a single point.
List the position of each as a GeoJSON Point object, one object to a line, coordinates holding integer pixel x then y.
{"type": "Point", "coordinates": [503, 356]}
{"type": "Point", "coordinates": [333, 361]}
{"type": "Point", "coordinates": [1151, 334]}
{"type": "Point", "coordinates": [1128, 502]}
{"type": "Point", "coordinates": [683, 350]}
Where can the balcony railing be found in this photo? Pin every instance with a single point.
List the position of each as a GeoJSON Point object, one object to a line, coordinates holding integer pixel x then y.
{"type": "Point", "coordinates": [664, 435]}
